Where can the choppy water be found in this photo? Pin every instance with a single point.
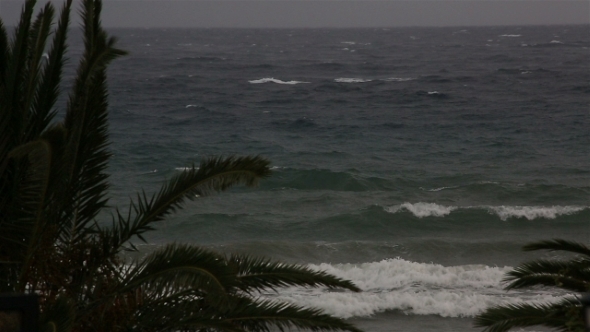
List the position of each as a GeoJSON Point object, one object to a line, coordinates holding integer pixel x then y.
{"type": "Point", "coordinates": [415, 162]}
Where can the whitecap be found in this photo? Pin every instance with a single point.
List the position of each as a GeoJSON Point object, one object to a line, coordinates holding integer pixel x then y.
{"type": "Point", "coordinates": [422, 209]}
{"type": "Point", "coordinates": [513, 36]}
{"type": "Point", "coordinates": [555, 42]}
{"type": "Point", "coordinates": [433, 92]}
{"type": "Point", "coordinates": [351, 80]}
{"type": "Point", "coordinates": [413, 288]}
{"type": "Point", "coordinates": [348, 42]}
{"type": "Point", "coordinates": [533, 212]}
{"type": "Point", "coordinates": [273, 80]}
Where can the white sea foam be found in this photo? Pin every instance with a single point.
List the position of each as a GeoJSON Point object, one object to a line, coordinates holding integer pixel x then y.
{"type": "Point", "coordinates": [513, 36]}
{"type": "Point", "coordinates": [555, 42]}
{"type": "Point", "coordinates": [348, 42]}
{"type": "Point", "coordinates": [422, 209]}
{"type": "Point", "coordinates": [533, 212]}
{"type": "Point", "coordinates": [273, 80]}
{"type": "Point", "coordinates": [351, 80]}
{"type": "Point", "coordinates": [413, 288]}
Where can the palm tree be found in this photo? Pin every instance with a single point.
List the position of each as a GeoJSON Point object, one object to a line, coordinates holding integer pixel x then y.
{"type": "Point", "coordinates": [571, 275]}
{"type": "Point", "coordinates": [53, 185]}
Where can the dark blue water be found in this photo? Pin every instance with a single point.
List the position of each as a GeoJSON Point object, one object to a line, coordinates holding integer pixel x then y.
{"type": "Point", "coordinates": [414, 161]}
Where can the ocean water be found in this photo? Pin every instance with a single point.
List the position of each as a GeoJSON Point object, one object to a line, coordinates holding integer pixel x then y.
{"type": "Point", "coordinates": [413, 161]}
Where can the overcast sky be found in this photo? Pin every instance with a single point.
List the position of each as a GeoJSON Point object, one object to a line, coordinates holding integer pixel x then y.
{"type": "Point", "coordinates": [328, 13]}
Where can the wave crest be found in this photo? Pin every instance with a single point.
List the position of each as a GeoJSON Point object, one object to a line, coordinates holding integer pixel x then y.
{"type": "Point", "coordinates": [534, 212]}
{"type": "Point", "coordinates": [422, 210]}
{"type": "Point", "coordinates": [274, 80]}
{"type": "Point", "coordinates": [413, 288]}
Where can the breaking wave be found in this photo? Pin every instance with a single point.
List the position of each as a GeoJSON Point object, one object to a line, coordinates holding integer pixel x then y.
{"type": "Point", "coordinates": [412, 288]}
{"type": "Point", "coordinates": [504, 212]}
{"type": "Point", "coordinates": [274, 80]}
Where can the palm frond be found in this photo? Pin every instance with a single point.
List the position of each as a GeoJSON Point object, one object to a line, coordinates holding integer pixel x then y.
{"type": "Point", "coordinates": [5, 113]}
{"type": "Point", "coordinates": [179, 312]}
{"type": "Point", "coordinates": [559, 245]}
{"type": "Point", "coordinates": [38, 37]}
{"type": "Point", "coordinates": [12, 113]}
{"type": "Point", "coordinates": [32, 188]}
{"type": "Point", "coordinates": [16, 66]}
{"type": "Point", "coordinates": [563, 316]}
{"type": "Point", "coordinates": [213, 175]}
{"type": "Point", "coordinates": [266, 316]}
{"type": "Point", "coordinates": [260, 273]}
{"type": "Point", "coordinates": [180, 267]}
{"type": "Point", "coordinates": [3, 51]}
{"type": "Point", "coordinates": [86, 154]}
{"type": "Point", "coordinates": [51, 75]}
{"type": "Point", "coordinates": [572, 275]}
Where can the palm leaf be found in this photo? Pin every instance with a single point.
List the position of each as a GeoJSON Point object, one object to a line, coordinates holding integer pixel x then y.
{"type": "Point", "coordinates": [559, 245]}
{"type": "Point", "coordinates": [572, 275]}
{"type": "Point", "coordinates": [13, 100]}
{"type": "Point", "coordinates": [38, 37]}
{"type": "Point", "coordinates": [268, 316]}
{"type": "Point", "coordinates": [3, 51]}
{"type": "Point", "coordinates": [12, 114]}
{"type": "Point", "coordinates": [260, 273]}
{"type": "Point", "coordinates": [180, 267]}
{"type": "Point", "coordinates": [86, 154]}
{"type": "Point", "coordinates": [180, 312]}
{"type": "Point", "coordinates": [561, 315]}
{"type": "Point", "coordinates": [48, 89]}
{"type": "Point", "coordinates": [213, 175]}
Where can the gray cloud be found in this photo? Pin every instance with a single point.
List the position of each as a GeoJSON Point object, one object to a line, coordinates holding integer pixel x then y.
{"type": "Point", "coordinates": [343, 13]}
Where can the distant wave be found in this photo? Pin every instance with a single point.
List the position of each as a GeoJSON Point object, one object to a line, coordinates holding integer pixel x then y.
{"type": "Point", "coordinates": [352, 80]}
{"type": "Point", "coordinates": [513, 36]}
{"type": "Point", "coordinates": [398, 79]}
{"type": "Point", "coordinates": [422, 210]}
{"type": "Point", "coordinates": [533, 212]}
{"type": "Point", "coordinates": [412, 288]}
{"type": "Point", "coordinates": [339, 80]}
{"type": "Point", "coordinates": [439, 188]}
{"type": "Point", "coordinates": [273, 80]}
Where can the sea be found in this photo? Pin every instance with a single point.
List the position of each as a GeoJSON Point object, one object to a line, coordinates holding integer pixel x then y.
{"type": "Point", "coordinates": [415, 162]}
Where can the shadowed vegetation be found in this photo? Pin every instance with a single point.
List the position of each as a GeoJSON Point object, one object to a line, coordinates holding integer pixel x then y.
{"type": "Point", "coordinates": [53, 185]}
{"type": "Point", "coordinates": [572, 275]}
